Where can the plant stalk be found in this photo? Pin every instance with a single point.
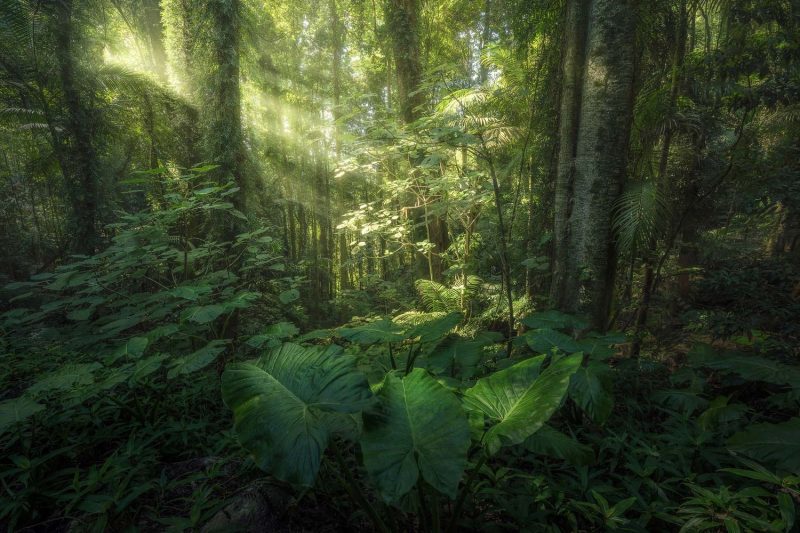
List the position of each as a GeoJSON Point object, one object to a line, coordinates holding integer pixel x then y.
{"type": "Point", "coordinates": [355, 493]}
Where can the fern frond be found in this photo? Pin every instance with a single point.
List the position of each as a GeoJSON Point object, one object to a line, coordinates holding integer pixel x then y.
{"type": "Point", "coordinates": [415, 318]}
{"type": "Point", "coordinates": [437, 297]}
{"type": "Point", "coordinates": [15, 21]}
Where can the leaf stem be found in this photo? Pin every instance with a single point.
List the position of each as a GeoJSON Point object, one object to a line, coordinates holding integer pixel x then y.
{"type": "Point", "coordinates": [355, 493]}
{"type": "Point", "coordinates": [391, 356]}
{"type": "Point", "coordinates": [462, 496]}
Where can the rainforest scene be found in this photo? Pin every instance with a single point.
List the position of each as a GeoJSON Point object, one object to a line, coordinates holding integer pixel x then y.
{"type": "Point", "coordinates": [392, 266]}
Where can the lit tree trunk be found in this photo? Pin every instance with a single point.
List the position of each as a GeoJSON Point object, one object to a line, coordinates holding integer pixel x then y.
{"type": "Point", "coordinates": [224, 127]}
{"type": "Point", "coordinates": [585, 251]}
{"type": "Point", "coordinates": [336, 74]}
{"type": "Point", "coordinates": [151, 12]}
{"type": "Point", "coordinates": [82, 159]}
{"type": "Point", "coordinates": [402, 18]}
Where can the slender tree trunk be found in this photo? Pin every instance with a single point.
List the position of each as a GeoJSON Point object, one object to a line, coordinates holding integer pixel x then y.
{"type": "Point", "coordinates": [663, 177]}
{"type": "Point", "coordinates": [224, 137]}
{"type": "Point", "coordinates": [336, 74]}
{"type": "Point", "coordinates": [565, 274]}
{"type": "Point", "coordinates": [84, 175]}
{"type": "Point", "coordinates": [486, 36]}
{"type": "Point", "coordinates": [402, 18]}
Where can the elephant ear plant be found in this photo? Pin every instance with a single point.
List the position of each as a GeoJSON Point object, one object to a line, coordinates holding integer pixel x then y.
{"type": "Point", "coordinates": [420, 435]}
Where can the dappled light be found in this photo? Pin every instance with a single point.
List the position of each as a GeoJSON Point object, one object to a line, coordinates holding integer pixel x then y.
{"type": "Point", "coordinates": [399, 265]}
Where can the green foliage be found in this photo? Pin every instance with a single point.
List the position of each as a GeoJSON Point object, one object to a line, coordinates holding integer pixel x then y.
{"type": "Point", "coordinates": [553, 443]}
{"type": "Point", "coordinates": [515, 404]}
{"type": "Point", "coordinates": [443, 299]}
{"type": "Point", "coordinates": [418, 429]}
{"type": "Point", "coordinates": [289, 403]}
{"type": "Point", "coordinates": [777, 444]}
{"type": "Point", "coordinates": [592, 389]}
{"type": "Point", "coordinates": [110, 361]}
{"type": "Point", "coordinates": [117, 351]}
{"type": "Point", "coordinates": [639, 216]}
{"type": "Point", "coordinates": [416, 433]}
{"type": "Point", "coordinates": [14, 411]}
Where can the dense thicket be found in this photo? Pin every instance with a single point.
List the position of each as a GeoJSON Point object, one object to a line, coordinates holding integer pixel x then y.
{"type": "Point", "coordinates": [473, 264]}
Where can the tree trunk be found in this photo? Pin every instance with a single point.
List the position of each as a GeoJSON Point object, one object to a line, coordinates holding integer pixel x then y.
{"type": "Point", "coordinates": [663, 177]}
{"type": "Point", "coordinates": [224, 127]}
{"type": "Point", "coordinates": [563, 288]}
{"type": "Point", "coordinates": [402, 18]}
{"type": "Point", "coordinates": [151, 11]}
{"type": "Point", "coordinates": [82, 158]}
{"type": "Point", "coordinates": [590, 180]}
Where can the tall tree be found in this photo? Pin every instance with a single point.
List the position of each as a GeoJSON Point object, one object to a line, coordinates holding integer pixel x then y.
{"type": "Point", "coordinates": [224, 137]}
{"type": "Point", "coordinates": [79, 125]}
{"type": "Point", "coordinates": [402, 17]}
{"type": "Point", "coordinates": [595, 128]}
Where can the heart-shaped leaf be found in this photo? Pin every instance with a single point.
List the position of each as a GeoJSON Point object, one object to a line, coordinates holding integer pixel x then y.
{"type": "Point", "coordinates": [288, 404]}
{"type": "Point", "coordinates": [519, 400]}
{"type": "Point", "coordinates": [418, 428]}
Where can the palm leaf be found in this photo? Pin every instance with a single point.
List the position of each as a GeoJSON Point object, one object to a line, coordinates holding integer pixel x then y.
{"type": "Point", "coordinates": [639, 216]}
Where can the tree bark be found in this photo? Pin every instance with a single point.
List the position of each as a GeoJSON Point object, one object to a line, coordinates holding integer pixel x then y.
{"type": "Point", "coordinates": [593, 156]}
{"type": "Point", "coordinates": [82, 160]}
{"type": "Point", "coordinates": [402, 18]}
{"type": "Point", "coordinates": [224, 126]}
{"type": "Point", "coordinates": [563, 288]}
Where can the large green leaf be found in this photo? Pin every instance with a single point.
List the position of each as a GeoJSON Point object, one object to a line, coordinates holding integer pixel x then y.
{"type": "Point", "coordinates": [553, 443]}
{"type": "Point", "coordinates": [553, 319]}
{"type": "Point", "coordinates": [772, 443]}
{"type": "Point", "coordinates": [289, 296]}
{"type": "Point", "coordinates": [287, 405]}
{"type": "Point", "coordinates": [597, 348]}
{"type": "Point", "coordinates": [519, 402]}
{"type": "Point", "coordinates": [720, 412]}
{"type": "Point", "coordinates": [133, 348]}
{"type": "Point", "coordinates": [383, 330]}
{"type": "Point", "coordinates": [749, 367]}
{"type": "Point", "coordinates": [685, 400]}
{"type": "Point", "coordinates": [204, 314]}
{"type": "Point", "coordinates": [145, 367]}
{"type": "Point", "coordinates": [197, 360]}
{"type": "Point", "coordinates": [434, 330]}
{"type": "Point", "coordinates": [457, 356]}
{"type": "Point", "coordinates": [65, 378]}
{"type": "Point", "coordinates": [17, 410]}
{"type": "Point", "coordinates": [592, 389]}
{"type": "Point", "coordinates": [545, 340]}
{"type": "Point", "coordinates": [273, 335]}
{"type": "Point", "coordinates": [418, 428]}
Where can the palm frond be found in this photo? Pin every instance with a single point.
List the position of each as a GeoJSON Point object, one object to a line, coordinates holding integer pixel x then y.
{"type": "Point", "coordinates": [639, 216]}
{"type": "Point", "coordinates": [15, 21]}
